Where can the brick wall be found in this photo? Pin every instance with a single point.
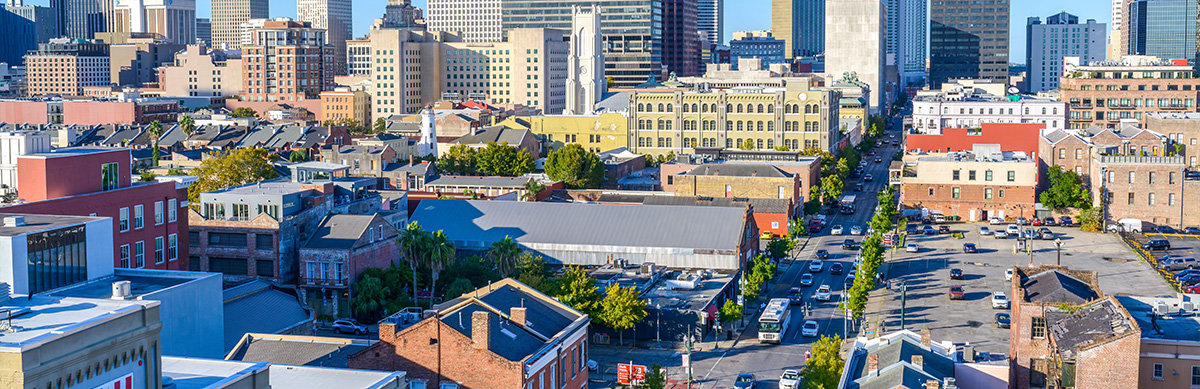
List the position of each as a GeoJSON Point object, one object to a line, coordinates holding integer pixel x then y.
{"type": "Point", "coordinates": [1182, 131]}
{"type": "Point", "coordinates": [752, 187]}
{"type": "Point", "coordinates": [971, 199]}
{"type": "Point", "coordinates": [416, 351]}
{"type": "Point", "coordinates": [1071, 153]}
{"type": "Point", "coordinates": [1166, 189]}
{"type": "Point", "coordinates": [1109, 365]}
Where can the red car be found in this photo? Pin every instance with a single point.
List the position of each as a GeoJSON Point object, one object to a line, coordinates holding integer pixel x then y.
{"type": "Point", "coordinates": [956, 292]}
{"type": "Point", "coordinates": [1192, 289]}
{"type": "Point", "coordinates": [1035, 222]}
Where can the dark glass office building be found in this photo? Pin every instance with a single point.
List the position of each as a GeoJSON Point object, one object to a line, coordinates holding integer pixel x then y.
{"type": "Point", "coordinates": [968, 39]}
{"type": "Point", "coordinates": [57, 258]}
{"type": "Point", "coordinates": [1164, 29]}
{"type": "Point", "coordinates": [801, 25]}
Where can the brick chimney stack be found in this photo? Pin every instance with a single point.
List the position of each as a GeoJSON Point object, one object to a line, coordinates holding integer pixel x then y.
{"type": "Point", "coordinates": [931, 384]}
{"type": "Point", "coordinates": [925, 341]}
{"type": "Point", "coordinates": [918, 361]}
{"type": "Point", "coordinates": [872, 363]}
{"type": "Point", "coordinates": [481, 330]}
{"type": "Point", "coordinates": [517, 316]}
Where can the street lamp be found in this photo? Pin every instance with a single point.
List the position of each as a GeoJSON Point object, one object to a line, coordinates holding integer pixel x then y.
{"type": "Point", "coordinates": [1058, 245]}
{"type": "Point", "coordinates": [742, 288]}
{"type": "Point", "coordinates": [658, 327]}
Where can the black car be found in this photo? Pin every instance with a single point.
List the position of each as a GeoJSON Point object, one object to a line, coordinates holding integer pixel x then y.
{"type": "Point", "coordinates": [1192, 230]}
{"type": "Point", "coordinates": [956, 274]}
{"type": "Point", "coordinates": [1167, 230]}
{"type": "Point", "coordinates": [878, 160]}
{"type": "Point", "coordinates": [969, 248]}
{"type": "Point", "coordinates": [911, 228]}
{"type": "Point", "coordinates": [1065, 221]}
{"type": "Point", "coordinates": [1049, 222]}
{"type": "Point", "coordinates": [926, 221]}
{"type": "Point", "coordinates": [848, 244]}
{"type": "Point", "coordinates": [822, 254]}
{"type": "Point", "coordinates": [795, 296]}
{"type": "Point", "coordinates": [1003, 320]}
{"type": "Point", "coordinates": [943, 229]}
{"type": "Point", "coordinates": [1156, 244]}
{"type": "Point", "coordinates": [858, 187]}
{"type": "Point", "coordinates": [835, 269]}
{"type": "Point", "coordinates": [744, 381]}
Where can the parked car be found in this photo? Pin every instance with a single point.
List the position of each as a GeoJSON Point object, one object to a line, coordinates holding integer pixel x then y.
{"type": "Point", "coordinates": [835, 269]}
{"type": "Point", "coordinates": [809, 329]}
{"type": "Point", "coordinates": [1185, 272]}
{"type": "Point", "coordinates": [1001, 235]}
{"type": "Point", "coordinates": [806, 279]}
{"type": "Point", "coordinates": [1176, 264]}
{"type": "Point", "coordinates": [984, 231]}
{"type": "Point", "coordinates": [929, 231]}
{"type": "Point", "coordinates": [1156, 244]}
{"type": "Point", "coordinates": [911, 247]}
{"type": "Point", "coordinates": [1066, 221]}
{"type": "Point", "coordinates": [1003, 320]}
{"type": "Point", "coordinates": [1022, 221]}
{"type": "Point", "coordinates": [956, 292]}
{"type": "Point", "coordinates": [744, 381]}
{"type": "Point", "coordinates": [1192, 230]}
{"type": "Point", "coordinates": [956, 274]}
{"type": "Point", "coordinates": [822, 254]}
{"type": "Point", "coordinates": [999, 300]}
{"type": "Point", "coordinates": [848, 282]}
{"type": "Point", "coordinates": [1013, 229]}
{"type": "Point", "coordinates": [823, 293]}
{"type": "Point", "coordinates": [1035, 222]}
{"type": "Point", "coordinates": [790, 379]}
{"type": "Point", "coordinates": [969, 248]}
{"type": "Point", "coordinates": [767, 235]}
{"type": "Point", "coordinates": [1192, 289]}
{"type": "Point", "coordinates": [836, 230]}
{"type": "Point", "coordinates": [816, 266]}
{"type": "Point", "coordinates": [943, 229]}
{"type": "Point", "coordinates": [1049, 222]}
{"type": "Point", "coordinates": [995, 220]}
{"type": "Point", "coordinates": [795, 296]}
{"type": "Point", "coordinates": [348, 326]}
{"type": "Point", "coordinates": [1045, 234]}
{"type": "Point", "coordinates": [1167, 230]}
{"type": "Point", "coordinates": [1008, 274]}
{"type": "Point", "coordinates": [849, 244]}
{"type": "Point", "coordinates": [855, 230]}
{"type": "Point", "coordinates": [1029, 234]}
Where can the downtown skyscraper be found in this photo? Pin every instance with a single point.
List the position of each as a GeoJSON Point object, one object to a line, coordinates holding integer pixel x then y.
{"type": "Point", "coordinates": [335, 16]}
{"type": "Point", "coordinates": [81, 19]}
{"type": "Point", "coordinates": [801, 26]}
{"type": "Point", "coordinates": [968, 39]}
{"type": "Point", "coordinates": [710, 19]}
{"type": "Point", "coordinates": [227, 19]}
{"type": "Point", "coordinates": [907, 25]}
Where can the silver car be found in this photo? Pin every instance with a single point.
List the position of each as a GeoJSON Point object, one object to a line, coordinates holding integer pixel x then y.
{"type": "Point", "coordinates": [347, 326]}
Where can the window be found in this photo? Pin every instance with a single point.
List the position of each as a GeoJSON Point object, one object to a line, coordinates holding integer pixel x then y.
{"type": "Point", "coordinates": [1171, 178]}
{"type": "Point", "coordinates": [1150, 198]}
{"type": "Point", "coordinates": [124, 219]}
{"type": "Point", "coordinates": [172, 209]}
{"type": "Point", "coordinates": [955, 174]}
{"type": "Point", "coordinates": [172, 247]}
{"type": "Point", "coordinates": [987, 193]}
{"type": "Point", "coordinates": [125, 256]}
{"type": "Point", "coordinates": [1131, 177]}
{"type": "Point", "coordinates": [1038, 330]}
{"type": "Point", "coordinates": [971, 175]}
{"type": "Point", "coordinates": [1158, 371]}
{"type": "Point", "coordinates": [138, 216]}
{"type": "Point", "coordinates": [930, 192]}
{"type": "Point", "coordinates": [158, 250]}
{"type": "Point", "coordinates": [1037, 372]}
{"type": "Point", "coordinates": [1130, 198]}
{"type": "Point", "coordinates": [139, 254]}
{"type": "Point", "coordinates": [987, 175]}
{"type": "Point", "coordinates": [954, 192]}
{"type": "Point", "coordinates": [109, 178]}
{"type": "Point", "coordinates": [1151, 177]}
{"type": "Point", "coordinates": [158, 212]}
{"type": "Point", "coordinates": [1195, 375]}
{"type": "Point", "coordinates": [1012, 176]}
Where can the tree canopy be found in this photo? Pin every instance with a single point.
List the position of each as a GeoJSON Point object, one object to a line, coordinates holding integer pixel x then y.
{"type": "Point", "coordinates": [500, 159]}
{"type": "Point", "coordinates": [239, 167]}
{"type": "Point", "coordinates": [459, 159]}
{"type": "Point", "coordinates": [747, 144]}
{"type": "Point", "coordinates": [243, 112]}
{"type": "Point", "coordinates": [187, 124]}
{"type": "Point", "coordinates": [1066, 190]}
{"type": "Point", "coordinates": [621, 308]}
{"type": "Point", "coordinates": [579, 290]}
{"type": "Point", "coordinates": [824, 369]}
{"type": "Point", "coordinates": [576, 167]}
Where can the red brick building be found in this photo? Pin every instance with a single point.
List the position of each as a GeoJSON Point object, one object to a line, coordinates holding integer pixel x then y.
{"type": "Point", "coordinates": [87, 112]}
{"type": "Point", "coordinates": [339, 250]}
{"type": "Point", "coordinates": [505, 335]}
{"type": "Point", "coordinates": [287, 61]}
{"type": "Point", "coordinates": [1010, 136]}
{"type": "Point", "coordinates": [973, 187]}
{"type": "Point", "coordinates": [149, 225]}
{"type": "Point", "coordinates": [1037, 295]}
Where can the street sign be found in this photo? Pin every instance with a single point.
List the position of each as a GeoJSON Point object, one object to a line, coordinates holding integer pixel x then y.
{"type": "Point", "coordinates": [623, 373]}
{"type": "Point", "coordinates": [627, 373]}
{"type": "Point", "coordinates": [639, 372]}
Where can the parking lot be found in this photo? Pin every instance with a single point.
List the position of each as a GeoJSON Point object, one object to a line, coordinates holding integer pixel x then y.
{"type": "Point", "coordinates": [927, 274]}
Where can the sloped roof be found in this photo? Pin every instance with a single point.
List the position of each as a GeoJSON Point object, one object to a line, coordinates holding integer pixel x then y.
{"type": "Point", "coordinates": [482, 181]}
{"type": "Point", "coordinates": [206, 132]}
{"type": "Point", "coordinates": [259, 136]}
{"type": "Point", "coordinates": [172, 136]}
{"type": "Point", "coordinates": [738, 170]}
{"type": "Point", "coordinates": [417, 169]}
{"type": "Point", "coordinates": [296, 350]}
{"type": "Point", "coordinates": [339, 231]}
{"type": "Point", "coordinates": [498, 134]}
{"type": "Point", "coordinates": [1053, 286]}
{"type": "Point", "coordinates": [896, 366]}
{"type": "Point", "coordinates": [228, 137]}
{"type": "Point", "coordinates": [260, 308]}
{"type": "Point", "coordinates": [1095, 323]}
{"type": "Point", "coordinates": [545, 318]}
{"type": "Point", "coordinates": [758, 205]}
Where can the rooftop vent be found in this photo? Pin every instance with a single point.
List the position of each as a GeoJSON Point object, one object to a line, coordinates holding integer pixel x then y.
{"type": "Point", "coordinates": [121, 290]}
{"type": "Point", "coordinates": [14, 221]}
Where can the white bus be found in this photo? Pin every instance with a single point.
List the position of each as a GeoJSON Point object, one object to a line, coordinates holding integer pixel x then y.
{"type": "Point", "coordinates": [773, 324]}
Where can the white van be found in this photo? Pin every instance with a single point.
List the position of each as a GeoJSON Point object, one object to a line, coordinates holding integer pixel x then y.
{"type": "Point", "coordinates": [1127, 225]}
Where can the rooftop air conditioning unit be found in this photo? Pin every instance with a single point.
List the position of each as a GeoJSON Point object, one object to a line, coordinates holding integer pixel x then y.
{"type": "Point", "coordinates": [121, 290]}
{"type": "Point", "coordinates": [1161, 308]}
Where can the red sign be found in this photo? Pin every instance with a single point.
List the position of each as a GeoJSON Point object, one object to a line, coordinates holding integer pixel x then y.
{"type": "Point", "coordinates": [628, 373]}
{"type": "Point", "coordinates": [623, 373]}
{"type": "Point", "coordinates": [639, 372]}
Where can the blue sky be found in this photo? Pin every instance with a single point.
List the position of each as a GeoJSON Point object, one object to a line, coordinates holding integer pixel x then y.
{"type": "Point", "coordinates": [744, 15]}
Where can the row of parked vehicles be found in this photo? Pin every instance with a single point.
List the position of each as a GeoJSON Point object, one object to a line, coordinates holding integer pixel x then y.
{"type": "Point", "coordinates": [1015, 231]}
{"type": "Point", "coordinates": [1064, 221]}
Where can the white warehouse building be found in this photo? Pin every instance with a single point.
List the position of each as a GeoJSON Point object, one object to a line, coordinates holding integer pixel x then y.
{"type": "Point", "coordinates": [968, 104]}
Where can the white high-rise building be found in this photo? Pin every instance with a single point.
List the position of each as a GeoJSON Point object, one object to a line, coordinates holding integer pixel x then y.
{"type": "Point", "coordinates": [710, 19]}
{"type": "Point", "coordinates": [476, 20]}
{"type": "Point", "coordinates": [856, 42]}
{"type": "Point", "coordinates": [907, 35]}
{"type": "Point", "coordinates": [175, 20]}
{"type": "Point", "coordinates": [1116, 39]}
{"type": "Point", "coordinates": [335, 16]}
{"type": "Point", "coordinates": [585, 62]}
{"type": "Point", "coordinates": [227, 19]}
{"type": "Point", "coordinates": [1060, 36]}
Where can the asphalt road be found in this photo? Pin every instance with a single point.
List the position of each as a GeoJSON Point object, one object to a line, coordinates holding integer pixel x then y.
{"type": "Point", "coordinates": [767, 361]}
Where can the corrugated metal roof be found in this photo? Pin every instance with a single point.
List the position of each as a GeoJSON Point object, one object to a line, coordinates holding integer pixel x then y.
{"type": "Point", "coordinates": [759, 205]}
{"type": "Point", "coordinates": [584, 224]}
{"type": "Point", "coordinates": [305, 351]}
{"type": "Point", "coordinates": [266, 311]}
{"type": "Point", "coordinates": [483, 181]}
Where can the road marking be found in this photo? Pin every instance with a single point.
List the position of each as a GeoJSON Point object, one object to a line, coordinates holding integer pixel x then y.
{"type": "Point", "coordinates": [714, 366]}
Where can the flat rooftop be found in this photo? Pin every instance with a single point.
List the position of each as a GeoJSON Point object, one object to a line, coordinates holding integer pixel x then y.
{"type": "Point", "coordinates": [36, 223]}
{"type": "Point", "coordinates": [1167, 327]}
{"type": "Point", "coordinates": [76, 151]}
{"type": "Point", "coordinates": [288, 377]}
{"type": "Point", "coordinates": [42, 319]}
{"type": "Point", "coordinates": [671, 293]}
{"type": "Point", "coordinates": [141, 282]}
{"type": "Point", "coordinates": [277, 187]}
{"type": "Point", "coordinates": [198, 373]}
{"type": "Point", "coordinates": [1006, 156]}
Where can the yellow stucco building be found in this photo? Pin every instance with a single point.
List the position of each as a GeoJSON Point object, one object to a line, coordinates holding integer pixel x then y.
{"type": "Point", "coordinates": [596, 133]}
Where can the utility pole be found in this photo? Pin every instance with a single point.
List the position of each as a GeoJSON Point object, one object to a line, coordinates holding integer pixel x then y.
{"type": "Point", "coordinates": [1058, 245]}
{"type": "Point", "coordinates": [903, 300]}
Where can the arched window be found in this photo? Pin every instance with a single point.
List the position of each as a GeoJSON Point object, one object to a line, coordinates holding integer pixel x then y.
{"type": "Point", "coordinates": [728, 125]}
{"type": "Point", "coordinates": [787, 126]}
{"type": "Point", "coordinates": [641, 124]}
{"type": "Point", "coordinates": [770, 108]}
{"type": "Point", "coordinates": [739, 108]}
{"type": "Point", "coordinates": [660, 125]}
{"type": "Point", "coordinates": [770, 125]}
{"type": "Point", "coordinates": [668, 126]}
{"type": "Point", "coordinates": [807, 108]}
{"type": "Point", "coordinates": [739, 127]}
{"type": "Point", "coordinates": [760, 108]}
{"type": "Point", "coordinates": [714, 109]}
{"type": "Point", "coordinates": [669, 107]}
{"type": "Point", "coordinates": [694, 108]}
{"type": "Point", "coordinates": [660, 108]}
{"type": "Point", "coordinates": [641, 107]}
{"type": "Point", "coordinates": [807, 126]}
{"type": "Point", "coordinates": [796, 125]}
{"type": "Point", "coordinates": [685, 108]}
{"type": "Point", "coordinates": [728, 108]}
{"type": "Point", "coordinates": [760, 125]}
{"type": "Point", "coordinates": [770, 143]}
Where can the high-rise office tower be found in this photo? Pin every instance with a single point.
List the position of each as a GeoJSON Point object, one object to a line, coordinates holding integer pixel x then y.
{"type": "Point", "coordinates": [801, 25]}
{"type": "Point", "coordinates": [64, 67]}
{"type": "Point", "coordinates": [175, 20]}
{"type": "Point", "coordinates": [710, 19]}
{"type": "Point", "coordinates": [585, 62]}
{"type": "Point", "coordinates": [968, 40]}
{"type": "Point", "coordinates": [401, 14]}
{"type": "Point", "coordinates": [1061, 36]}
{"type": "Point", "coordinates": [906, 31]}
{"type": "Point", "coordinates": [633, 35]}
{"type": "Point", "coordinates": [681, 42]}
{"type": "Point", "coordinates": [22, 28]}
{"type": "Point", "coordinates": [856, 45]}
{"type": "Point", "coordinates": [204, 30]}
{"type": "Point", "coordinates": [227, 19]}
{"type": "Point", "coordinates": [1164, 29]}
{"type": "Point", "coordinates": [80, 19]}
{"type": "Point", "coordinates": [1119, 36]}
{"type": "Point", "coordinates": [335, 17]}
{"type": "Point", "coordinates": [475, 20]}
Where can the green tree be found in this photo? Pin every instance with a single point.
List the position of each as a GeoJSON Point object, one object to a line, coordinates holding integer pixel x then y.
{"type": "Point", "coordinates": [370, 298]}
{"type": "Point", "coordinates": [441, 253]}
{"type": "Point", "coordinates": [176, 172]}
{"type": "Point", "coordinates": [155, 131]}
{"type": "Point", "coordinates": [298, 155]}
{"type": "Point", "coordinates": [187, 124]}
{"type": "Point", "coordinates": [621, 309]}
{"type": "Point", "coordinates": [779, 248]}
{"type": "Point", "coordinates": [731, 312]}
{"type": "Point", "coordinates": [147, 176]}
{"type": "Point", "coordinates": [239, 167]}
{"type": "Point", "coordinates": [579, 290]}
{"type": "Point", "coordinates": [576, 167]}
{"type": "Point", "coordinates": [824, 369]}
{"type": "Point", "coordinates": [459, 159]}
{"type": "Point", "coordinates": [414, 242]}
{"type": "Point", "coordinates": [459, 287]}
{"type": "Point", "coordinates": [475, 269]}
{"type": "Point", "coordinates": [842, 168]}
{"type": "Point", "coordinates": [1066, 190]}
{"type": "Point", "coordinates": [243, 112]}
{"type": "Point", "coordinates": [747, 144]}
{"type": "Point", "coordinates": [655, 377]}
{"type": "Point", "coordinates": [500, 159]}
{"type": "Point", "coordinates": [504, 254]}
{"type": "Point", "coordinates": [831, 188]}
{"type": "Point", "coordinates": [380, 125]}
{"type": "Point", "coordinates": [796, 228]}
{"type": "Point", "coordinates": [1089, 220]}
{"type": "Point", "coordinates": [155, 154]}
{"type": "Point", "coordinates": [532, 188]}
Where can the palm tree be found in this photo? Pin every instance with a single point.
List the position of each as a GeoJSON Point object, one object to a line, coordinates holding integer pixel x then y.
{"type": "Point", "coordinates": [504, 254]}
{"type": "Point", "coordinates": [440, 254]}
{"type": "Point", "coordinates": [187, 124]}
{"type": "Point", "coordinates": [413, 240]}
{"type": "Point", "coordinates": [155, 132]}
{"type": "Point", "coordinates": [532, 188]}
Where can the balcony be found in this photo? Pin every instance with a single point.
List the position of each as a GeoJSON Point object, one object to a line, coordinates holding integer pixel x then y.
{"type": "Point", "coordinates": [325, 282]}
{"type": "Point", "coordinates": [1081, 105]}
{"type": "Point", "coordinates": [1174, 107]}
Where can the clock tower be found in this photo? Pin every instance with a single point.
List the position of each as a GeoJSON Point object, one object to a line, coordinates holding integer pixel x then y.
{"type": "Point", "coordinates": [585, 62]}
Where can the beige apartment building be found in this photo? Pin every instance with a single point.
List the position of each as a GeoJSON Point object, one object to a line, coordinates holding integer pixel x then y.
{"type": "Point", "coordinates": [796, 117]}
{"type": "Point", "coordinates": [286, 61]}
{"type": "Point", "coordinates": [65, 67]}
{"type": "Point", "coordinates": [974, 186]}
{"type": "Point", "coordinates": [344, 104]}
{"type": "Point", "coordinates": [202, 71]}
{"type": "Point", "coordinates": [227, 19]}
{"type": "Point", "coordinates": [404, 61]}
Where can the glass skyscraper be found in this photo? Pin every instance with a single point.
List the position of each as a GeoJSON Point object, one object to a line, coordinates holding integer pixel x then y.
{"type": "Point", "coordinates": [968, 39]}
{"type": "Point", "coordinates": [1164, 29]}
{"type": "Point", "coordinates": [801, 26]}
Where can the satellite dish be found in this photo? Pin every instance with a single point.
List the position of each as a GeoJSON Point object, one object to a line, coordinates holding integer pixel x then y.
{"type": "Point", "coordinates": [1012, 90]}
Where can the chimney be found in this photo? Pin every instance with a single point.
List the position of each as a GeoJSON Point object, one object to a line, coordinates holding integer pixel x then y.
{"type": "Point", "coordinates": [410, 160]}
{"type": "Point", "coordinates": [872, 363]}
{"type": "Point", "coordinates": [925, 337]}
{"type": "Point", "coordinates": [481, 330]}
{"type": "Point", "coordinates": [931, 384]}
{"type": "Point", "coordinates": [918, 361]}
{"type": "Point", "coordinates": [517, 315]}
